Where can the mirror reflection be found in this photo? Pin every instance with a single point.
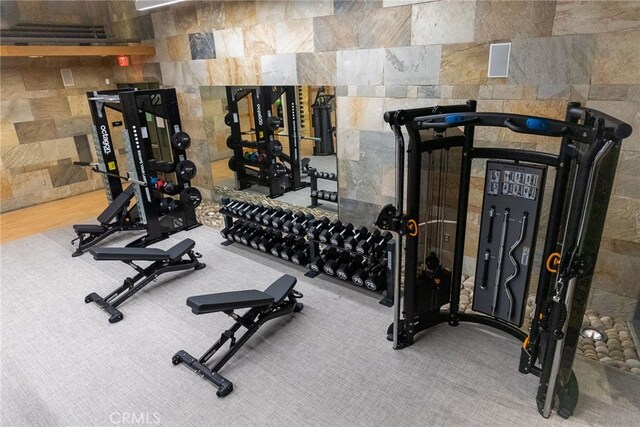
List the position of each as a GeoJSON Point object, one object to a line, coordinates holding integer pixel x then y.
{"type": "Point", "coordinates": [273, 141]}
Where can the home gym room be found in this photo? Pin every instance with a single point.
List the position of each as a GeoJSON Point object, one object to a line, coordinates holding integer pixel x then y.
{"type": "Point", "coordinates": [319, 212]}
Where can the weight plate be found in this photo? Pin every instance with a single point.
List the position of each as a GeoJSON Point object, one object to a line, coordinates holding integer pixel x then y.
{"type": "Point", "coordinates": [181, 140]}
{"type": "Point", "coordinates": [228, 119]}
{"type": "Point", "coordinates": [233, 165]}
{"type": "Point", "coordinates": [191, 197]}
{"type": "Point", "coordinates": [186, 170]}
{"type": "Point", "coordinates": [276, 148]}
{"type": "Point", "coordinates": [230, 142]}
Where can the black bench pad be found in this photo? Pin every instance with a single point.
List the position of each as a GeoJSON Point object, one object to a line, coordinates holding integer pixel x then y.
{"type": "Point", "coordinates": [115, 207]}
{"type": "Point", "coordinates": [143, 254]}
{"type": "Point", "coordinates": [224, 301]}
{"type": "Point", "coordinates": [281, 288]}
{"type": "Point", "coordinates": [89, 228]}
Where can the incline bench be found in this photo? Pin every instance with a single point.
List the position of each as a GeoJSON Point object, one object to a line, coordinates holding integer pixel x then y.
{"type": "Point", "coordinates": [172, 259]}
{"type": "Point", "coordinates": [116, 217]}
{"type": "Point", "coordinates": [277, 300]}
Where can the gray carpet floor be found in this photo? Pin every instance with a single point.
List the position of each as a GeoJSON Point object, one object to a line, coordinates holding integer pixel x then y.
{"type": "Point", "coordinates": [63, 364]}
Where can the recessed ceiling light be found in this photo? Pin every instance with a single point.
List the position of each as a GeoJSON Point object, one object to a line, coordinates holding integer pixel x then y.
{"type": "Point", "coordinates": [150, 4]}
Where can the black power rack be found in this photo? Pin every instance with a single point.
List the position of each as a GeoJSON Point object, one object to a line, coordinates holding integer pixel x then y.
{"type": "Point", "coordinates": [284, 234]}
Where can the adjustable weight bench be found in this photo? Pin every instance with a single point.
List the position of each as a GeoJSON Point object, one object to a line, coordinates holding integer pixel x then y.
{"type": "Point", "coordinates": [116, 217]}
{"type": "Point", "coordinates": [277, 300]}
{"type": "Point", "coordinates": [172, 259]}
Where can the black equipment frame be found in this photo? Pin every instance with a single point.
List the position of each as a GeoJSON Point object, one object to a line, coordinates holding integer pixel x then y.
{"type": "Point", "coordinates": [247, 172]}
{"type": "Point", "coordinates": [585, 166]}
{"type": "Point", "coordinates": [144, 276]}
{"type": "Point", "coordinates": [252, 320]}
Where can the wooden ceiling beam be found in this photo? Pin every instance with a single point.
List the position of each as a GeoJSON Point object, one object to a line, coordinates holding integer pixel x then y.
{"type": "Point", "coordinates": [36, 50]}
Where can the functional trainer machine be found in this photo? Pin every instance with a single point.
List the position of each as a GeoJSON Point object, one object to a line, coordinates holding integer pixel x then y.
{"type": "Point", "coordinates": [158, 165]}
{"type": "Point", "coordinates": [442, 147]}
{"type": "Point", "coordinates": [177, 258]}
{"type": "Point", "coordinates": [279, 299]}
{"type": "Point", "coordinates": [263, 161]}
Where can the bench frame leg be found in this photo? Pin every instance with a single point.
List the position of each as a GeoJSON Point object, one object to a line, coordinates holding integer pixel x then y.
{"type": "Point", "coordinates": [251, 320]}
{"type": "Point", "coordinates": [132, 285]}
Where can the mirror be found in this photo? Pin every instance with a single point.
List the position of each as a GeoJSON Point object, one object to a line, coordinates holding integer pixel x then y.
{"type": "Point", "coordinates": [277, 142]}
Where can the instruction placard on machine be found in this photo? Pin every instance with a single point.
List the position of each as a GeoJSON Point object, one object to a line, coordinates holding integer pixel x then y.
{"type": "Point", "coordinates": [508, 228]}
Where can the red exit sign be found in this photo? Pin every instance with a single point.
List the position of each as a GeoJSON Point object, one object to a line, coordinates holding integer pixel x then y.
{"type": "Point", "coordinates": [123, 61]}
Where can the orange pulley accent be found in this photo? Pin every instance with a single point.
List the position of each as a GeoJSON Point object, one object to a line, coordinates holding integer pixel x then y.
{"type": "Point", "coordinates": [553, 261]}
{"type": "Point", "coordinates": [412, 227]}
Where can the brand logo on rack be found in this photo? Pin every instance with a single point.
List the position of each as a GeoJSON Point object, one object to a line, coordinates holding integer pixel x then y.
{"type": "Point", "coordinates": [106, 144]}
{"type": "Point", "coordinates": [259, 114]}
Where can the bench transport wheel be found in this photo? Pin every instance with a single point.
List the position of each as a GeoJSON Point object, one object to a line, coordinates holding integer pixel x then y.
{"type": "Point", "coordinates": [299, 307]}
{"type": "Point", "coordinates": [200, 266]}
{"type": "Point", "coordinates": [116, 318]}
{"type": "Point", "coordinates": [225, 390]}
{"type": "Point", "coordinates": [176, 360]}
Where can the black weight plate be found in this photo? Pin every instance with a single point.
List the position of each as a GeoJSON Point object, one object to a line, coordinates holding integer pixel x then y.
{"type": "Point", "coordinates": [181, 140]}
{"type": "Point", "coordinates": [233, 165]}
{"type": "Point", "coordinates": [276, 148]}
{"type": "Point", "coordinates": [228, 119]}
{"type": "Point", "coordinates": [170, 189]}
{"type": "Point", "coordinates": [191, 197]}
{"type": "Point", "coordinates": [230, 142]}
{"type": "Point", "coordinates": [186, 170]}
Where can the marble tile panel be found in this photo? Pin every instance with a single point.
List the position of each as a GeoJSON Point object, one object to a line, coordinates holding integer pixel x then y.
{"type": "Point", "coordinates": [395, 91]}
{"type": "Point", "coordinates": [498, 20]}
{"type": "Point", "coordinates": [377, 148]}
{"type": "Point", "coordinates": [617, 59]}
{"type": "Point", "coordinates": [279, 69]}
{"type": "Point", "coordinates": [195, 73]}
{"type": "Point", "coordinates": [45, 108]}
{"type": "Point", "coordinates": [38, 130]}
{"type": "Point", "coordinates": [229, 43]}
{"type": "Point", "coordinates": [279, 10]}
{"type": "Point", "coordinates": [431, 91]}
{"type": "Point", "coordinates": [466, 91]}
{"type": "Point", "coordinates": [369, 91]}
{"type": "Point", "coordinates": [65, 175]}
{"type": "Point", "coordinates": [358, 212]}
{"type": "Point", "coordinates": [628, 112]}
{"type": "Point", "coordinates": [580, 17]}
{"type": "Point", "coordinates": [210, 15]}
{"type": "Point", "coordinates": [348, 144]}
{"type": "Point", "coordinates": [554, 92]}
{"type": "Point", "coordinates": [464, 64]}
{"type": "Point", "coordinates": [507, 92]}
{"type": "Point", "coordinates": [5, 187]}
{"type": "Point", "coordinates": [172, 73]}
{"type": "Point", "coordinates": [364, 67]}
{"type": "Point", "coordinates": [316, 68]}
{"type": "Point", "coordinates": [442, 22]}
{"type": "Point", "coordinates": [162, 50]}
{"type": "Point", "coordinates": [385, 28]}
{"type": "Point", "coordinates": [202, 46]}
{"type": "Point", "coordinates": [163, 23]}
{"type": "Point", "coordinates": [617, 306]}
{"type": "Point", "coordinates": [69, 127]}
{"type": "Point", "coordinates": [41, 79]}
{"type": "Point", "coordinates": [179, 48]}
{"type": "Point", "coordinates": [17, 156]}
{"type": "Point", "coordinates": [92, 78]}
{"type": "Point", "coordinates": [242, 14]}
{"type": "Point", "coordinates": [360, 113]}
{"type": "Point", "coordinates": [34, 182]}
{"type": "Point", "coordinates": [260, 40]}
{"type": "Point", "coordinates": [335, 33]}
{"type": "Point", "coordinates": [294, 36]}
{"type": "Point", "coordinates": [414, 65]}
{"type": "Point", "coordinates": [83, 148]}
{"type": "Point", "coordinates": [190, 104]}
{"type": "Point", "coordinates": [340, 7]}
{"type": "Point", "coordinates": [245, 71]}
{"type": "Point", "coordinates": [622, 221]}
{"type": "Point", "coordinates": [56, 150]}
{"type": "Point", "coordinates": [554, 109]}
{"type": "Point", "coordinates": [627, 179]}
{"type": "Point", "coordinates": [10, 82]}
{"type": "Point", "coordinates": [552, 60]}
{"type": "Point", "coordinates": [78, 105]}
{"type": "Point", "coordinates": [15, 111]}
{"type": "Point", "coordinates": [8, 134]}
{"type": "Point", "coordinates": [185, 17]}
{"type": "Point", "coordinates": [394, 3]}
{"type": "Point", "coordinates": [608, 92]}
{"type": "Point", "coordinates": [579, 93]}
{"type": "Point", "coordinates": [633, 94]}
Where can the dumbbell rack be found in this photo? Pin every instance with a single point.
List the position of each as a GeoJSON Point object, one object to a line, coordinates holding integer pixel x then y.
{"type": "Point", "coordinates": [230, 219]}
{"type": "Point", "coordinates": [314, 188]}
{"type": "Point", "coordinates": [315, 249]}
